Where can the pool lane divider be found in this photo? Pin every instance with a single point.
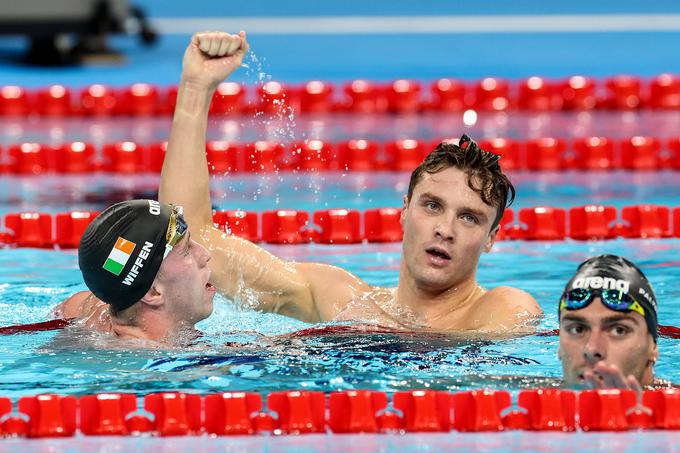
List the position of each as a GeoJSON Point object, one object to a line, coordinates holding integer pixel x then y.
{"type": "Point", "coordinates": [380, 225]}
{"type": "Point", "coordinates": [44, 326]}
{"type": "Point", "coordinates": [62, 323]}
{"type": "Point", "coordinates": [353, 411]}
{"type": "Point", "coordinates": [403, 96]}
{"type": "Point", "coordinates": [592, 153]}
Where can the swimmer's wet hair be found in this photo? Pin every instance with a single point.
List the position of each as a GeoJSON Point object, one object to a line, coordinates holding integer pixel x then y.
{"type": "Point", "coordinates": [484, 174]}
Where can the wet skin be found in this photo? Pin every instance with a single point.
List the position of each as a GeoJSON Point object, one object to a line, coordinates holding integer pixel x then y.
{"type": "Point", "coordinates": [600, 347]}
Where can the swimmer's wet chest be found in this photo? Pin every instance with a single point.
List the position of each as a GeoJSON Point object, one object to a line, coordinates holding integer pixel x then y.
{"type": "Point", "coordinates": [380, 307]}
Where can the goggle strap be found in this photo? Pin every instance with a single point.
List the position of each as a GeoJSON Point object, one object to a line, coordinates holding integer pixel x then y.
{"type": "Point", "coordinates": [638, 308]}
{"type": "Point", "coordinates": [171, 227]}
{"type": "Point", "coordinates": [563, 304]}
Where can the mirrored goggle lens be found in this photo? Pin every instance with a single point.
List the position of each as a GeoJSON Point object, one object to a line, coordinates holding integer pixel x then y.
{"type": "Point", "coordinates": [181, 225]}
{"type": "Point", "coordinates": [577, 298]}
{"type": "Point", "coordinates": [617, 300]}
{"type": "Point", "coordinates": [180, 229]}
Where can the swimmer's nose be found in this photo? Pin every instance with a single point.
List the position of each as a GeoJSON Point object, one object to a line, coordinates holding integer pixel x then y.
{"type": "Point", "coordinates": [595, 348]}
{"type": "Point", "coordinates": [444, 231]}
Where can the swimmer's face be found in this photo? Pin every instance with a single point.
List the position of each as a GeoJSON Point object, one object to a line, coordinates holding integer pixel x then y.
{"type": "Point", "coordinates": [185, 277]}
{"type": "Point", "coordinates": [597, 334]}
{"type": "Point", "coordinates": [447, 227]}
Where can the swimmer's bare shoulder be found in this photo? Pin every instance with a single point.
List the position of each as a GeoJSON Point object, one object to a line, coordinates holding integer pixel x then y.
{"type": "Point", "coordinates": [507, 309]}
{"type": "Point", "coordinates": [86, 307]}
{"type": "Point", "coordinates": [75, 306]}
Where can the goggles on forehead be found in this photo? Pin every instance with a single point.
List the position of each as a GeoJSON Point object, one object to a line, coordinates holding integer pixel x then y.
{"type": "Point", "coordinates": [177, 229]}
{"type": "Point", "coordinates": [611, 298]}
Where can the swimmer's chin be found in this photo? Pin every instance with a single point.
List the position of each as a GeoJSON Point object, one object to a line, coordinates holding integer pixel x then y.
{"type": "Point", "coordinates": [577, 382]}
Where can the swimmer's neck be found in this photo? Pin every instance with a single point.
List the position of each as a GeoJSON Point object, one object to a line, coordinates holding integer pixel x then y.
{"type": "Point", "coordinates": [152, 326]}
{"type": "Point", "coordinates": [430, 305]}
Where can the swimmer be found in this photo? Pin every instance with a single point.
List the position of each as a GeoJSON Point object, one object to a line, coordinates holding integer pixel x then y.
{"type": "Point", "coordinates": [139, 258]}
{"type": "Point", "coordinates": [147, 278]}
{"type": "Point", "coordinates": [608, 326]}
{"type": "Point", "coordinates": [450, 216]}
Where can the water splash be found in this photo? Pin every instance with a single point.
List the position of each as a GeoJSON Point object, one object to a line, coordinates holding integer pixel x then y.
{"type": "Point", "coordinates": [275, 117]}
{"type": "Point", "coordinates": [273, 120]}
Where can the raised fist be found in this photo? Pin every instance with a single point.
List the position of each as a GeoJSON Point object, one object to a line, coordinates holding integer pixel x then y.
{"type": "Point", "coordinates": [213, 56]}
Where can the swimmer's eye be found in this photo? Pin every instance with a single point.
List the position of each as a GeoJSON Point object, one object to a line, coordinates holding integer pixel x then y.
{"type": "Point", "coordinates": [575, 329]}
{"type": "Point", "coordinates": [469, 218]}
{"type": "Point", "coordinates": [432, 205]}
{"type": "Point", "coordinates": [619, 330]}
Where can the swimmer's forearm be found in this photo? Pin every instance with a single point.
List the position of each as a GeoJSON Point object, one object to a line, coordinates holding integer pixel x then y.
{"type": "Point", "coordinates": [193, 100]}
{"type": "Point", "coordinates": [184, 179]}
{"type": "Point", "coordinates": [209, 58]}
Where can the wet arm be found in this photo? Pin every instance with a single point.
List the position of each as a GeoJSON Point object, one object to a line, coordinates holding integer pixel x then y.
{"type": "Point", "coordinates": [208, 60]}
{"type": "Point", "coordinates": [257, 279]}
{"type": "Point", "coordinates": [240, 270]}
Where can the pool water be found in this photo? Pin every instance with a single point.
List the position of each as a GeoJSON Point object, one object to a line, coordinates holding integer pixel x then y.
{"type": "Point", "coordinates": [245, 350]}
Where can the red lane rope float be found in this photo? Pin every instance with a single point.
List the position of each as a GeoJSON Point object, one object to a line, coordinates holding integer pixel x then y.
{"type": "Point", "coordinates": [348, 226]}
{"type": "Point", "coordinates": [669, 331]}
{"type": "Point", "coordinates": [53, 324]}
{"type": "Point", "coordinates": [354, 411]}
{"type": "Point", "coordinates": [636, 153]}
{"type": "Point", "coordinates": [575, 93]}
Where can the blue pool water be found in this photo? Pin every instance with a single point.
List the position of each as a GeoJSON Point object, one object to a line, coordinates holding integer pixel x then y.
{"type": "Point", "coordinates": [245, 350]}
{"type": "Point", "coordinates": [249, 351]}
{"type": "Point", "coordinates": [514, 441]}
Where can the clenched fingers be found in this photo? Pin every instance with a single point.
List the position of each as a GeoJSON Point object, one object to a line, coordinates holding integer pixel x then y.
{"type": "Point", "coordinates": [218, 44]}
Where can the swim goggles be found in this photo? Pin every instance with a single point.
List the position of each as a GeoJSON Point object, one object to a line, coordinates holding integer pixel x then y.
{"type": "Point", "coordinates": [177, 229]}
{"type": "Point", "coordinates": [613, 299]}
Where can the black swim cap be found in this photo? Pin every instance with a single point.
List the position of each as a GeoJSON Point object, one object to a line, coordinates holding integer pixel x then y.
{"type": "Point", "coordinates": [615, 272]}
{"type": "Point", "coordinates": [121, 251]}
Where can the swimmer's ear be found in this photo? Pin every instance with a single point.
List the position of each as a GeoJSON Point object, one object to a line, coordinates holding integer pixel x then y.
{"type": "Point", "coordinates": [403, 210]}
{"type": "Point", "coordinates": [153, 297]}
{"type": "Point", "coordinates": [491, 239]}
{"type": "Point", "coordinates": [654, 356]}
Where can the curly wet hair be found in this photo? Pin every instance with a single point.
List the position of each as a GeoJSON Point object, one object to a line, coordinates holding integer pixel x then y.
{"type": "Point", "coordinates": [484, 174]}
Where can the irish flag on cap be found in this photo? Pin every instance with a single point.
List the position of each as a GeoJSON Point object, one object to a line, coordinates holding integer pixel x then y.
{"type": "Point", "coordinates": [119, 256]}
